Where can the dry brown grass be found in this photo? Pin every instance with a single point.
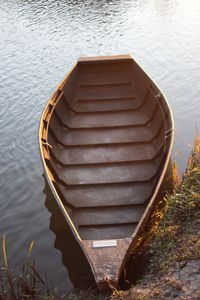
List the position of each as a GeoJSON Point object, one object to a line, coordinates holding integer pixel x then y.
{"type": "Point", "coordinates": [194, 159]}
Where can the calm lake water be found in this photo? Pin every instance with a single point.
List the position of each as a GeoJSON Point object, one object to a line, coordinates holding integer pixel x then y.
{"type": "Point", "coordinates": [39, 41]}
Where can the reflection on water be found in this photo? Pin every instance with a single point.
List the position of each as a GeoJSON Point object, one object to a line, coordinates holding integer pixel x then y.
{"type": "Point", "coordinates": [39, 41]}
{"type": "Point", "coordinates": [72, 256]}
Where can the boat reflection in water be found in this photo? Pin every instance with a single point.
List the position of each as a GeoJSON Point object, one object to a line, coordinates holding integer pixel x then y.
{"type": "Point", "coordinates": [72, 256]}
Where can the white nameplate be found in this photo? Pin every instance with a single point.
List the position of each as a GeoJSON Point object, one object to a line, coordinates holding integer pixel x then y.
{"type": "Point", "coordinates": [104, 243]}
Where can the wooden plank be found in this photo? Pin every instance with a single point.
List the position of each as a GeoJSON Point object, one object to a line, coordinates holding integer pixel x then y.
{"type": "Point", "coordinates": [111, 215]}
{"type": "Point", "coordinates": [104, 66]}
{"type": "Point", "coordinates": [99, 105]}
{"type": "Point", "coordinates": [105, 91]}
{"type": "Point", "coordinates": [103, 59]}
{"type": "Point", "coordinates": [113, 77]}
{"type": "Point", "coordinates": [107, 119]}
{"type": "Point", "coordinates": [107, 195]}
{"type": "Point", "coordinates": [95, 174]}
{"type": "Point", "coordinates": [107, 232]}
{"type": "Point", "coordinates": [97, 154]}
{"type": "Point", "coordinates": [105, 135]}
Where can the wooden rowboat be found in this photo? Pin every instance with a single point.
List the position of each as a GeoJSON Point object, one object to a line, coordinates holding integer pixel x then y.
{"type": "Point", "coordinates": [105, 137]}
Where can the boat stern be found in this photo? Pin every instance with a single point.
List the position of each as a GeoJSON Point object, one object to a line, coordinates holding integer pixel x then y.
{"type": "Point", "coordinates": [105, 258]}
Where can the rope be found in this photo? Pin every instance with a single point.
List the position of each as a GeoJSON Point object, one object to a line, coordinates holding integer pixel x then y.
{"type": "Point", "coordinates": [48, 145]}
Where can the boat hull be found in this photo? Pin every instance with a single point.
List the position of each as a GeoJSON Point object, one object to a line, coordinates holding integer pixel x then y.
{"type": "Point", "coordinates": [105, 137]}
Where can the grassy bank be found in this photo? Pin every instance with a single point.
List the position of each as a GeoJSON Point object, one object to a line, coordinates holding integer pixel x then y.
{"type": "Point", "coordinates": [170, 253]}
{"type": "Point", "coordinates": [171, 247]}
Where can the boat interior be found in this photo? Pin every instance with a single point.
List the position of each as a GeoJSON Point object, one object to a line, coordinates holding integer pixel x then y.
{"type": "Point", "coordinates": [107, 136]}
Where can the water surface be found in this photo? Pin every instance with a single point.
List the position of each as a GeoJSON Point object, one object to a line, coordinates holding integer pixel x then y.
{"type": "Point", "coordinates": [39, 41]}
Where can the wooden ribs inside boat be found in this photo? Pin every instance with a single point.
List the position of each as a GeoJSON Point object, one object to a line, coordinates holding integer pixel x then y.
{"type": "Point", "coordinates": [106, 137]}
